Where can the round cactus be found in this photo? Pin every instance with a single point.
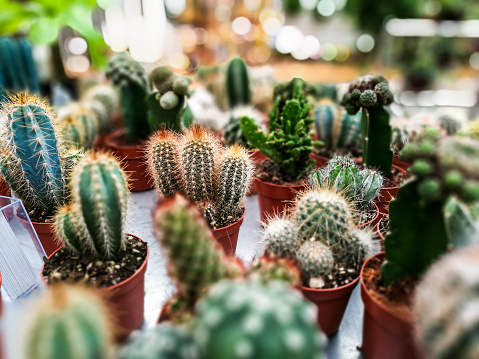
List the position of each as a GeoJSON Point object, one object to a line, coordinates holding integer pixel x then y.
{"type": "Point", "coordinates": [169, 100]}
{"type": "Point", "coordinates": [367, 91]}
{"type": "Point", "coordinates": [281, 238]}
{"type": "Point", "coordinates": [248, 320]}
{"type": "Point", "coordinates": [80, 128]}
{"type": "Point", "coordinates": [162, 77]}
{"type": "Point", "coordinates": [275, 268]}
{"type": "Point", "coordinates": [180, 86]}
{"type": "Point", "coordinates": [315, 260]}
{"type": "Point", "coordinates": [358, 246]}
{"type": "Point", "coordinates": [103, 100]}
{"type": "Point", "coordinates": [450, 124]}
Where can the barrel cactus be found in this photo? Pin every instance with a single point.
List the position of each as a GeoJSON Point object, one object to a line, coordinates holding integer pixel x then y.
{"type": "Point", "coordinates": [94, 223]}
{"type": "Point", "coordinates": [237, 83]}
{"type": "Point", "coordinates": [315, 260]}
{"type": "Point", "coordinates": [252, 319]}
{"type": "Point", "coordinates": [450, 124]}
{"type": "Point", "coordinates": [61, 312]}
{"type": "Point", "coordinates": [281, 238]}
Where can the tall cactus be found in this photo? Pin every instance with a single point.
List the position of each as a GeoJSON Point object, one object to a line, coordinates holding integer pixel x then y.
{"type": "Point", "coordinates": [31, 160]}
{"type": "Point", "coordinates": [94, 223]}
{"type": "Point", "coordinates": [237, 83]}
{"type": "Point", "coordinates": [103, 101]}
{"type": "Point", "coordinates": [68, 323]}
{"type": "Point", "coordinates": [80, 128]}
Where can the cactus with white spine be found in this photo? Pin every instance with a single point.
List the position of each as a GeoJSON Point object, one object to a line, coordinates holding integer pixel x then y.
{"type": "Point", "coordinates": [267, 320]}
{"type": "Point", "coordinates": [31, 154]}
{"type": "Point", "coordinates": [315, 261]}
{"type": "Point", "coordinates": [68, 322]}
{"type": "Point", "coordinates": [445, 306]}
{"type": "Point", "coordinates": [269, 268]}
{"type": "Point", "coordinates": [79, 129]}
{"type": "Point", "coordinates": [94, 223]}
{"type": "Point", "coordinates": [335, 127]}
{"type": "Point", "coordinates": [281, 238]}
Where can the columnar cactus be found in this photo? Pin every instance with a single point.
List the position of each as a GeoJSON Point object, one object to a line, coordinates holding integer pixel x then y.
{"type": "Point", "coordinates": [237, 83]}
{"type": "Point", "coordinates": [344, 175]}
{"type": "Point", "coordinates": [166, 341]}
{"type": "Point", "coordinates": [232, 131]}
{"type": "Point", "coordinates": [370, 94]}
{"type": "Point", "coordinates": [80, 128]}
{"type": "Point", "coordinates": [195, 260]}
{"type": "Point", "coordinates": [31, 161]}
{"type": "Point", "coordinates": [128, 75]}
{"type": "Point", "coordinates": [102, 100]}
{"type": "Point", "coordinates": [445, 306]}
{"type": "Point", "coordinates": [267, 320]}
{"type": "Point", "coordinates": [68, 323]}
{"type": "Point", "coordinates": [335, 127]}
{"type": "Point", "coordinates": [94, 223]}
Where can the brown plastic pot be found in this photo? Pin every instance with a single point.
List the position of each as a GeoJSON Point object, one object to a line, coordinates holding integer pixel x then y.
{"type": "Point", "coordinates": [227, 236]}
{"type": "Point", "coordinates": [401, 164]}
{"type": "Point", "coordinates": [46, 236]}
{"type": "Point", "coordinates": [388, 193]}
{"type": "Point", "coordinates": [385, 334]}
{"type": "Point", "coordinates": [331, 304]}
{"type": "Point", "coordinates": [133, 160]}
{"type": "Point", "coordinates": [4, 189]}
{"type": "Point", "coordinates": [126, 299]}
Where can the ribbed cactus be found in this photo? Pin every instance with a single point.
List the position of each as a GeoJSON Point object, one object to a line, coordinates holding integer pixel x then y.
{"type": "Point", "coordinates": [166, 341]}
{"type": "Point", "coordinates": [30, 160]}
{"type": "Point", "coordinates": [232, 131]}
{"type": "Point", "coordinates": [342, 174]}
{"type": "Point", "coordinates": [445, 306]}
{"type": "Point", "coordinates": [372, 94]}
{"type": "Point", "coordinates": [281, 238]}
{"type": "Point", "coordinates": [128, 75]}
{"type": "Point", "coordinates": [68, 323]}
{"type": "Point", "coordinates": [103, 101]}
{"type": "Point", "coordinates": [335, 127]}
{"type": "Point", "coordinates": [195, 260]}
{"type": "Point", "coordinates": [315, 260]}
{"type": "Point", "coordinates": [79, 129]}
{"type": "Point", "coordinates": [269, 268]}
{"type": "Point", "coordinates": [94, 223]}
{"type": "Point", "coordinates": [237, 83]}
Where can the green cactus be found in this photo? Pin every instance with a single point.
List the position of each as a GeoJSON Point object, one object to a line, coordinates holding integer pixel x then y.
{"type": "Point", "coordinates": [335, 127]}
{"type": "Point", "coordinates": [237, 83]}
{"type": "Point", "coordinates": [162, 78]}
{"type": "Point", "coordinates": [358, 247]}
{"type": "Point", "coordinates": [268, 268]}
{"type": "Point", "coordinates": [315, 260]}
{"type": "Point", "coordinates": [166, 341]}
{"type": "Point", "coordinates": [266, 321]}
{"type": "Point", "coordinates": [441, 168]}
{"type": "Point", "coordinates": [68, 323]}
{"type": "Point", "coordinates": [281, 238]}
{"type": "Point", "coordinates": [195, 260]}
{"type": "Point", "coordinates": [445, 303]}
{"type": "Point", "coordinates": [80, 129]}
{"type": "Point", "coordinates": [94, 223]}
{"type": "Point", "coordinates": [103, 101]}
{"type": "Point", "coordinates": [31, 161]}
{"type": "Point", "coordinates": [449, 124]}
{"type": "Point", "coordinates": [131, 79]}
{"type": "Point", "coordinates": [232, 131]}
{"type": "Point", "coordinates": [371, 94]}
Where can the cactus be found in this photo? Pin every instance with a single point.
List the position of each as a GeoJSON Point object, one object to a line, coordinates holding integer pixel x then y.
{"type": "Point", "coordinates": [195, 260]}
{"type": "Point", "coordinates": [357, 248]}
{"type": "Point", "coordinates": [449, 124]}
{"type": "Point", "coordinates": [68, 323]}
{"type": "Point", "coordinates": [131, 79]}
{"type": "Point", "coordinates": [237, 83]}
{"type": "Point", "coordinates": [31, 160]}
{"type": "Point", "coordinates": [266, 321]}
{"type": "Point", "coordinates": [94, 223]}
{"type": "Point", "coordinates": [441, 168]}
{"type": "Point", "coordinates": [79, 129]}
{"type": "Point", "coordinates": [335, 127]}
{"type": "Point", "coordinates": [315, 260]}
{"type": "Point", "coordinates": [445, 306]}
{"type": "Point", "coordinates": [268, 268]}
{"type": "Point", "coordinates": [103, 101]}
{"type": "Point", "coordinates": [281, 238]}
{"type": "Point", "coordinates": [232, 131]}
{"type": "Point", "coordinates": [165, 341]}
{"type": "Point", "coordinates": [372, 94]}
{"type": "Point", "coordinates": [344, 175]}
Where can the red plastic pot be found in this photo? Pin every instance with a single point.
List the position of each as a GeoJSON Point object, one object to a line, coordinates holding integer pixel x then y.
{"type": "Point", "coordinates": [401, 164]}
{"type": "Point", "coordinates": [46, 236]}
{"type": "Point", "coordinates": [331, 304]}
{"type": "Point", "coordinates": [4, 189]}
{"type": "Point", "coordinates": [133, 160]}
{"type": "Point", "coordinates": [385, 334]}
{"type": "Point", "coordinates": [126, 299]}
{"type": "Point", "coordinates": [227, 236]}
{"type": "Point", "coordinates": [388, 193]}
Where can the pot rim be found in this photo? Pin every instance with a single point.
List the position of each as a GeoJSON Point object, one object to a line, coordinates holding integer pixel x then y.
{"type": "Point", "coordinates": [401, 170]}
{"type": "Point", "coordinates": [111, 143]}
{"type": "Point", "coordinates": [216, 230]}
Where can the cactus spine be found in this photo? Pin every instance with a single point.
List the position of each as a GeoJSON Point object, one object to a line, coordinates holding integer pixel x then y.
{"type": "Point", "coordinates": [237, 83]}
{"type": "Point", "coordinates": [79, 129]}
{"type": "Point", "coordinates": [94, 224]}
{"type": "Point", "coordinates": [314, 259]}
{"type": "Point", "coordinates": [68, 323]}
{"type": "Point", "coordinates": [262, 314]}
{"type": "Point", "coordinates": [103, 101]}
{"type": "Point", "coordinates": [281, 238]}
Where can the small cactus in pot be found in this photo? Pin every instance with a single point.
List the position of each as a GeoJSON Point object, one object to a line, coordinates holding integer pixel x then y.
{"type": "Point", "coordinates": [79, 128]}
{"type": "Point", "coordinates": [103, 101]}
{"type": "Point", "coordinates": [237, 83]}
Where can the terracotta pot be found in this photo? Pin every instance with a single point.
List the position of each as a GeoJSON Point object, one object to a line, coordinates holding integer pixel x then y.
{"type": "Point", "coordinates": [388, 193]}
{"type": "Point", "coordinates": [320, 160]}
{"type": "Point", "coordinates": [133, 160]}
{"type": "Point", "coordinates": [100, 142]}
{"type": "Point", "coordinates": [46, 236]}
{"type": "Point", "coordinates": [331, 304]}
{"type": "Point", "coordinates": [401, 164]}
{"type": "Point", "coordinates": [126, 299]}
{"type": "Point", "coordinates": [227, 236]}
{"type": "Point", "coordinates": [4, 189]}
{"type": "Point", "coordinates": [385, 334]}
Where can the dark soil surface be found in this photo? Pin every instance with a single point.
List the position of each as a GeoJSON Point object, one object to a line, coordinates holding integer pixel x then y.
{"type": "Point", "coordinates": [66, 267]}
{"type": "Point", "coordinates": [339, 277]}
{"type": "Point", "coordinates": [269, 171]}
{"type": "Point", "coordinates": [364, 214]}
{"type": "Point", "coordinates": [330, 153]}
{"type": "Point", "coordinates": [397, 297]}
{"type": "Point", "coordinates": [384, 225]}
{"type": "Point", "coordinates": [395, 180]}
{"type": "Point", "coordinates": [39, 217]}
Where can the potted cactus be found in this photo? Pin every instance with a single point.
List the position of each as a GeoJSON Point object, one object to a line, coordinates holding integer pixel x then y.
{"type": "Point", "coordinates": [79, 126]}
{"type": "Point", "coordinates": [321, 237]}
{"type": "Point", "coordinates": [287, 145]}
{"type": "Point", "coordinates": [34, 162]}
{"type": "Point", "coordinates": [419, 235]}
{"type": "Point", "coordinates": [217, 179]}
{"type": "Point", "coordinates": [96, 250]}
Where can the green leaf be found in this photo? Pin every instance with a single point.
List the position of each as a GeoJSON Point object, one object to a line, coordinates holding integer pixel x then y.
{"type": "Point", "coordinates": [44, 31]}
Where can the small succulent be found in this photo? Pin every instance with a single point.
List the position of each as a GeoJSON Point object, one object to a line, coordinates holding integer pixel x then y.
{"type": "Point", "coordinates": [237, 83]}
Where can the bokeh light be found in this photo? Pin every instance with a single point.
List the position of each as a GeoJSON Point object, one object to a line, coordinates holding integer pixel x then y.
{"type": "Point", "coordinates": [365, 43]}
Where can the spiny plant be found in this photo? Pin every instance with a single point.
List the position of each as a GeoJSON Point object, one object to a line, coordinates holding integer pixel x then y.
{"type": "Point", "coordinates": [342, 174]}
{"type": "Point", "coordinates": [132, 81]}
{"type": "Point", "coordinates": [94, 223]}
{"type": "Point", "coordinates": [68, 322]}
{"type": "Point", "coordinates": [445, 304]}
{"type": "Point", "coordinates": [371, 94]}
{"type": "Point", "coordinates": [287, 142]}
{"type": "Point", "coordinates": [237, 83]}
{"type": "Point", "coordinates": [79, 128]}
{"type": "Point", "coordinates": [167, 106]}
{"type": "Point", "coordinates": [281, 237]}
{"type": "Point", "coordinates": [32, 161]}
{"type": "Point", "coordinates": [232, 131]}
{"type": "Point", "coordinates": [441, 168]}
{"type": "Point", "coordinates": [449, 124]}
{"type": "Point", "coordinates": [103, 101]}
{"type": "Point", "coordinates": [335, 127]}
{"type": "Point", "coordinates": [251, 319]}
{"type": "Point", "coordinates": [268, 268]}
